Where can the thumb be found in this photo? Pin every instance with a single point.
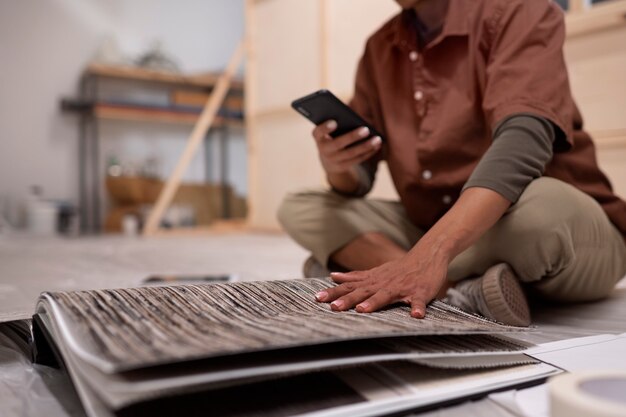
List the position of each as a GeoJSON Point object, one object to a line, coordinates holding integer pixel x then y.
{"type": "Point", "coordinates": [418, 308]}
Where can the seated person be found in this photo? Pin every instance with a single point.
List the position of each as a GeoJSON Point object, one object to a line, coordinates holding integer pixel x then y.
{"type": "Point", "coordinates": [498, 181]}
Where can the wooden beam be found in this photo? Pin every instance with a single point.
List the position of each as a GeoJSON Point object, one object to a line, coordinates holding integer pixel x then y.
{"type": "Point", "coordinates": [250, 106]}
{"type": "Point", "coordinates": [324, 43]}
{"type": "Point", "coordinates": [195, 139]}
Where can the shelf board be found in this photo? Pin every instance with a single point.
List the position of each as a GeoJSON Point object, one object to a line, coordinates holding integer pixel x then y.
{"type": "Point", "coordinates": [103, 111]}
{"type": "Point", "coordinates": [609, 139]}
{"type": "Point", "coordinates": [204, 80]}
{"type": "Point", "coordinates": [218, 227]}
{"type": "Point", "coordinates": [597, 18]}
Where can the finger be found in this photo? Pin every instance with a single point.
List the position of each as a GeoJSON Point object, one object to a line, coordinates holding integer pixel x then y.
{"type": "Point", "coordinates": [365, 148]}
{"type": "Point", "coordinates": [418, 308]}
{"type": "Point", "coordinates": [349, 138]}
{"type": "Point", "coordinates": [332, 293]}
{"type": "Point", "coordinates": [382, 298]}
{"type": "Point", "coordinates": [351, 299]}
{"type": "Point", "coordinates": [341, 277]}
{"type": "Point", "coordinates": [324, 129]}
{"type": "Point", "coordinates": [346, 165]}
{"type": "Point", "coordinates": [360, 152]}
{"type": "Point", "coordinates": [340, 162]}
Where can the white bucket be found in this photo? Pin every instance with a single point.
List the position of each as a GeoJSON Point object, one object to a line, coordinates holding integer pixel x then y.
{"type": "Point", "coordinates": [41, 219]}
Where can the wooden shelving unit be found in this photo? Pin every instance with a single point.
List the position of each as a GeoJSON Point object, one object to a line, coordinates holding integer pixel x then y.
{"type": "Point", "coordinates": [140, 112]}
{"type": "Point", "coordinates": [93, 110]}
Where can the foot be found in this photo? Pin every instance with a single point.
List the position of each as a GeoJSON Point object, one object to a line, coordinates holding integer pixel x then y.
{"type": "Point", "coordinates": [313, 269]}
{"type": "Point", "coordinates": [496, 295]}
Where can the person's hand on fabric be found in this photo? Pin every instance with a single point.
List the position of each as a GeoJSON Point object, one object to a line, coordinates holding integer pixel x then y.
{"type": "Point", "coordinates": [414, 279]}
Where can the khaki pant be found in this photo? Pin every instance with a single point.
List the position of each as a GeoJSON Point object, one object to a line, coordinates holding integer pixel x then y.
{"type": "Point", "coordinates": [557, 239]}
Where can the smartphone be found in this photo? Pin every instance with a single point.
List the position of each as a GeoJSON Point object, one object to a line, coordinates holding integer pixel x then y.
{"type": "Point", "coordinates": [323, 105]}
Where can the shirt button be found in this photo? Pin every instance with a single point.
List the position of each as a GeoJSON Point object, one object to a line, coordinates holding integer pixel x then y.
{"type": "Point", "coordinates": [413, 56]}
{"type": "Point", "coordinates": [426, 174]}
{"type": "Point", "coordinates": [418, 95]}
{"type": "Point", "coordinates": [446, 199]}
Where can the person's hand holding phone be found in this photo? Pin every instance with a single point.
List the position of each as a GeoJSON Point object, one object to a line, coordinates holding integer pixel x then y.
{"type": "Point", "coordinates": [336, 154]}
{"type": "Point", "coordinates": [340, 153]}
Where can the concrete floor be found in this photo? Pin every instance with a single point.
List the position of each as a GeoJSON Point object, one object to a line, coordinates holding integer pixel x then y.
{"type": "Point", "coordinates": [30, 265]}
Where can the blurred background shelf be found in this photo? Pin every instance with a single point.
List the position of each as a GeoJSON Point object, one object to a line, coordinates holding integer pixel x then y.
{"type": "Point", "coordinates": [139, 112]}
{"type": "Point", "coordinates": [180, 101]}
{"type": "Point", "coordinates": [202, 80]}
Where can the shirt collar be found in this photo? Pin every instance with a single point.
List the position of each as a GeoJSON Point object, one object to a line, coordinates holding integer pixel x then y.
{"type": "Point", "coordinates": [454, 25]}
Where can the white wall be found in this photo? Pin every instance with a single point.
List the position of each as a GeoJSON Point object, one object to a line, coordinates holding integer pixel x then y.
{"type": "Point", "coordinates": [45, 44]}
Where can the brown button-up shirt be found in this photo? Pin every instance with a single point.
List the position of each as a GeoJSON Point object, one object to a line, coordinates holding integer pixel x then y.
{"type": "Point", "coordinates": [438, 107]}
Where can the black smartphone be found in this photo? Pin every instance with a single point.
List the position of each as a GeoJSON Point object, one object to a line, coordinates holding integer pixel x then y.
{"type": "Point", "coordinates": [323, 105]}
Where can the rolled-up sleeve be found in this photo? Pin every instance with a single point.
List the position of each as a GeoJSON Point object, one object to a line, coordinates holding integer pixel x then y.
{"type": "Point", "coordinates": [521, 148]}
